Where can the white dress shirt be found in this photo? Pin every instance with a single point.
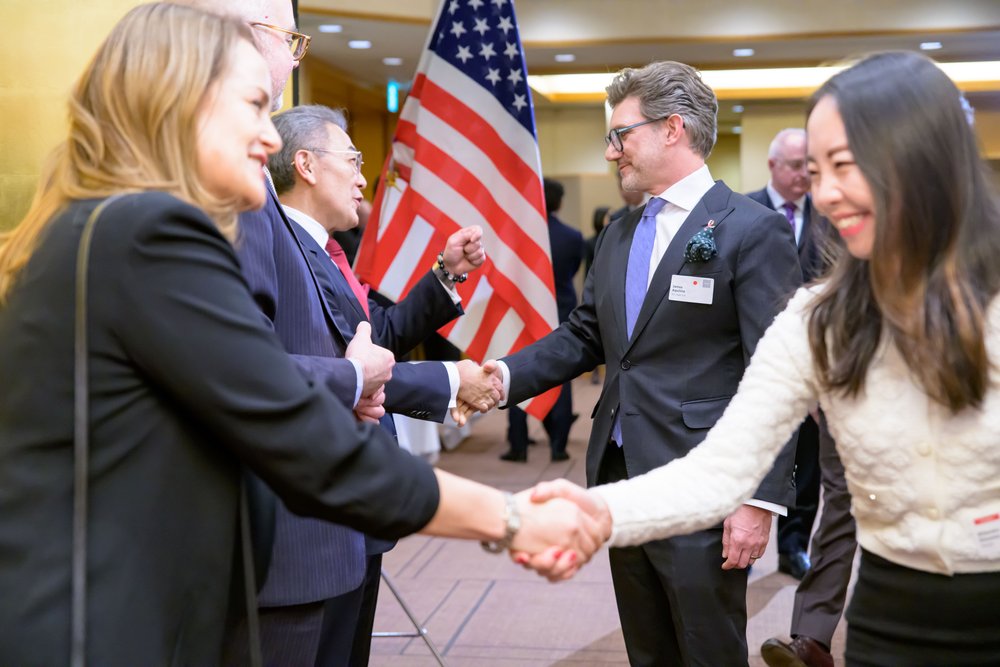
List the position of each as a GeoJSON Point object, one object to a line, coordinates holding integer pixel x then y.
{"type": "Point", "coordinates": [800, 207]}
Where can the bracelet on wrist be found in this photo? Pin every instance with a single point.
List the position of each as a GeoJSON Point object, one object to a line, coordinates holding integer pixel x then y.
{"type": "Point", "coordinates": [512, 523]}
{"type": "Point", "coordinates": [448, 274]}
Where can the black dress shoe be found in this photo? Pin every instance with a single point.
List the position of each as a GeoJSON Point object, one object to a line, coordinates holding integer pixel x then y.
{"type": "Point", "coordinates": [794, 563]}
{"type": "Point", "coordinates": [560, 456]}
{"type": "Point", "coordinates": [516, 457]}
{"type": "Point", "coordinates": [800, 652]}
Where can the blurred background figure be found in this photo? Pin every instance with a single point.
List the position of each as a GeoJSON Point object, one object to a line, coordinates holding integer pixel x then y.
{"type": "Point", "coordinates": [567, 248]}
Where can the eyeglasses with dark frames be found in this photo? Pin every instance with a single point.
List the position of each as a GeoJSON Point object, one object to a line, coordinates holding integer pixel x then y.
{"type": "Point", "coordinates": [614, 138]}
{"type": "Point", "coordinates": [297, 43]}
{"type": "Point", "coordinates": [356, 156]}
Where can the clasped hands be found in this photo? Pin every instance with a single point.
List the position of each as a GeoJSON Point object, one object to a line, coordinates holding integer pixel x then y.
{"type": "Point", "coordinates": [562, 526]}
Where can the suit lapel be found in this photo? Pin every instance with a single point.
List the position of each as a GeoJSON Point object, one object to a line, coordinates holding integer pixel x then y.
{"type": "Point", "coordinates": [713, 206]}
{"type": "Point", "coordinates": [623, 247]}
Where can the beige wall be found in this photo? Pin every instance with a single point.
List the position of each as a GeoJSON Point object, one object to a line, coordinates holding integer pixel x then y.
{"type": "Point", "coordinates": [760, 123]}
{"type": "Point", "coordinates": [45, 47]}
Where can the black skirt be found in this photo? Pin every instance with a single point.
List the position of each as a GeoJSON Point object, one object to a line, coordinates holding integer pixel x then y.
{"type": "Point", "coordinates": [900, 616]}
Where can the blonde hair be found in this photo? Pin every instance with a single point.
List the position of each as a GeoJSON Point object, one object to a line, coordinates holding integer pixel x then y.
{"type": "Point", "coordinates": [132, 120]}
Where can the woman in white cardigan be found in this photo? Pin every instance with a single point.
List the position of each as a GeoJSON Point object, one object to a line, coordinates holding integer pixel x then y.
{"type": "Point", "coordinates": [900, 346]}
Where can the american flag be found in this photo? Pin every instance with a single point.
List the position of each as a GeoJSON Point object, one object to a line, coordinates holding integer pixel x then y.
{"type": "Point", "coordinates": [465, 153]}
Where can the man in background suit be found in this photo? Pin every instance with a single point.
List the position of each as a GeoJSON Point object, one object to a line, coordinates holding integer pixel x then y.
{"type": "Point", "coordinates": [676, 334]}
{"type": "Point", "coordinates": [567, 248]}
{"type": "Point", "coordinates": [317, 175]}
{"type": "Point", "coordinates": [787, 192]}
{"type": "Point", "coordinates": [819, 598]}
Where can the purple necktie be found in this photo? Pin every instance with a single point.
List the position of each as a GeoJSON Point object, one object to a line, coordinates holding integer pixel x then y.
{"type": "Point", "coordinates": [637, 272]}
{"type": "Point", "coordinates": [790, 207]}
{"type": "Point", "coordinates": [637, 279]}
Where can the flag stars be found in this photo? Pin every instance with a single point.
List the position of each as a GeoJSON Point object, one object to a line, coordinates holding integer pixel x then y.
{"type": "Point", "coordinates": [464, 54]}
{"type": "Point", "coordinates": [453, 6]}
{"type": "Point", "coordinates": [515, 77]}
{"type": "Point", "coordinates": [505, 24]}
{"type": "Point", "coordinates": [499, 3]}
{"type": "Point", "coordinates": [511, 51]}
{"type": "Point", "coordinates": [476, 4]}
{"type": "Point", "coordinates": [519, 102]}
{"type": "Point", "coordinates": [458, 29]}
{"type": "Point", "coordinates": [493, 76]}
{"type": "Point", "coordinates": [481, 27]}
{"type": "Point", "coordinates": [486, 51]}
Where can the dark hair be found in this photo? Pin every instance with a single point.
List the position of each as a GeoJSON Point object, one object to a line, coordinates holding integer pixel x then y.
{"type": "Point", "coordinates": [600, 213]}
{"type": "Point", "coordinates": [553, 195]}
{"type": "Point", "coordinates": [933, 267]}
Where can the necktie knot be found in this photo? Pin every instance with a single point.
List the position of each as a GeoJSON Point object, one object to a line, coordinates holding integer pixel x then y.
{"type": "Point", "coordinates": [653, 207]}
{"type": "Point", "coordinates": [789, 207]}
{"type": "Point", "coordinates": [339, 257]}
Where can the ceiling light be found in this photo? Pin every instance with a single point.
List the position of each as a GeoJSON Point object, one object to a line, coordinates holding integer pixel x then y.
{"type": "Point", "coordinates": [738, 129]}
{"type": "Point", "coordinates": [330, 27]}
{"type": "Point", "coordinates": [743, 53]}
{"type": "Point", "coordinates": [565, 57]}
{"type": "Point", "coordinates": [392, 61]}
{"type": "Point", "coordinates": [359, 44]}
{"type": "Point", "coordinates": [754, 84]}
{"type": "Point", "coordinates": [737, 108]}
{"type": "Point", "coordinates": [930, 46]}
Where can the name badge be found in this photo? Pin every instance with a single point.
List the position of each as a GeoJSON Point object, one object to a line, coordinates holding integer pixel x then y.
{"type": "Point", "coordinates": [987, 532]}
{"type": "Point", "coordinates": [692, 289]}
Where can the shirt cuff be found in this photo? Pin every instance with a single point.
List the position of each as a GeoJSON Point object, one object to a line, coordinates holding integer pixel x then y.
{"type": "Point", "coordinates": [449, 287]}
{"type": "Point", "coordinates": [775, 508]}
{"type": "Point", "coordinates": [505, 374]}
{"type": "Point", "coordinates": [361, 380]}
{"type": "Point", "coordinates": [453, 382]}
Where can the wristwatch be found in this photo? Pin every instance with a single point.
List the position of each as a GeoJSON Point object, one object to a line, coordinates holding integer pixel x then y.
{"type": "Point", "coordinates": [512, 523]}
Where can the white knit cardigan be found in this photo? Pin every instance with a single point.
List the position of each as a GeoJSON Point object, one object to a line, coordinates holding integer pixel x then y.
{"type": "Point", "coordinates": [925, 483]}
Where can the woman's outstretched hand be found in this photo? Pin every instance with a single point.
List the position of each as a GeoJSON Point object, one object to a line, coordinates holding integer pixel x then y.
{"type": "Point", "coordinates": [562, 527]}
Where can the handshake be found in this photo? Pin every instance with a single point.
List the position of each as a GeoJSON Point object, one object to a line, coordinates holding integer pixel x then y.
{"type": "Point", "coordinates": [480, 387]}
{"type": "Point", "coordinates": [561, 526]}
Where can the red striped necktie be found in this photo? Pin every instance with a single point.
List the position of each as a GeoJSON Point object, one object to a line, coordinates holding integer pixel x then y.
{"type": "Point", "coordinates": [340, 259]}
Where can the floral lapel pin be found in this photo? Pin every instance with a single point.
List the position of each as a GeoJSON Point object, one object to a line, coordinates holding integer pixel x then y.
{"type": "Point", "coordinates": [701, 247]}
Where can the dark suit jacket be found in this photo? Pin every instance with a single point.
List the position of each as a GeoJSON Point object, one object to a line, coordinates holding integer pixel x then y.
{"type": "Point", "coordinates": [567, 253]}
{"type": "Point", "coordinates": [307, 560]}
{"type": "Point", "coordinates": [676, 375]}
{"type": "Point", "coordinates": [815, 232]}
{"type": "Point", "coordinates": [185, 384]}
{"type": "Point", "coordinates": [418, 390]}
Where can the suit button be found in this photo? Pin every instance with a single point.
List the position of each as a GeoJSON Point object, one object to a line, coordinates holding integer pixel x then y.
{"type": "Point", "coordinates": [626, 364]}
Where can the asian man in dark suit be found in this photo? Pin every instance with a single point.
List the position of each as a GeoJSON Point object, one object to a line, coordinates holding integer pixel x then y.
{"type": "Point", "coordinates": [317, 175]}
{"type": "Point", "coordinates": [676, 330]}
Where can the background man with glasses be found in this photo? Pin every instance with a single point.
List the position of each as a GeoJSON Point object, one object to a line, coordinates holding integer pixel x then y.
{"type": "Point", "coordinates": [300, 563]}
{"type": "Point", "coordinates": [819, 599]}
{"type": "Point", "coordinates": [676, 333]}
{"type": "Point", "coordinates": [317, 175]}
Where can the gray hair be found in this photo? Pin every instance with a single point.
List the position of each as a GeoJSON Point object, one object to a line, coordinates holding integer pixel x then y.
{"type": "Point", "coordinates": [667, 88]}
{"type": "Point", "coordinates": [302, 127]}
{"type": "Point", "coordinates": [774, 150]}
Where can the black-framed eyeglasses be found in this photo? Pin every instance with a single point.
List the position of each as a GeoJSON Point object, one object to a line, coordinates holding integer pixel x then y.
{"type": "Point", "coordinates": [356, 156]}
{"type": "Point", "coordinates": [614, 138]}
{"type": "Point", "coordinates": [297, 43]}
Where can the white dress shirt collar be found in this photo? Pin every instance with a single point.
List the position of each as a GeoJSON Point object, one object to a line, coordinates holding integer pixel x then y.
{"type": "Point", "coordinates": [308, 223]}
{"type": "Point", "coordinates": [687, 192]}
{"type": "Point", "coordinates": [779, 201]}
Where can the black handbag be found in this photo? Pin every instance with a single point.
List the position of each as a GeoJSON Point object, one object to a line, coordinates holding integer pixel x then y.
{"type": "Point", "coordinates": [81, 453]}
